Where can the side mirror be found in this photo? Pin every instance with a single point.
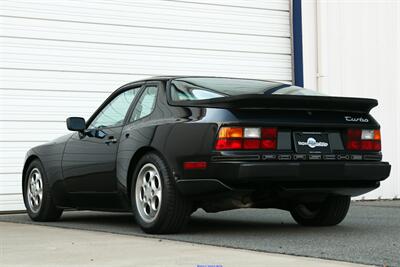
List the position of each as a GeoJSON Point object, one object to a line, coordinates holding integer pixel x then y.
{"type": "Point", "coordinates": [76, 124]}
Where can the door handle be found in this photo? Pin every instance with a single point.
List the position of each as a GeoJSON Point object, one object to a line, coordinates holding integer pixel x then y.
{"type": "Point", "coordinates": [111, 140]}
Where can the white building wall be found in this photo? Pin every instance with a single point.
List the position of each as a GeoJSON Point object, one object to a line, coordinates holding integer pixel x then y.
{"type": "Point", "coordinates": [352, 48]}
{"type": "Point", "coordinates": [60, 58]}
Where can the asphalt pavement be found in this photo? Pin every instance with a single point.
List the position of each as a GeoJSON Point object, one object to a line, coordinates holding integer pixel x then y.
{"type": "Point", "coordinates": [370, 234]}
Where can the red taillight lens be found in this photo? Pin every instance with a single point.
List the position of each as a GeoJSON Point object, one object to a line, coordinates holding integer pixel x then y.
{"type": "Point", "coordinates": [367, 145]}
{"type": "Point", "coordinates": [370, 145]}
{"type": "Point", "coordinates": [251, 144]}
{"type": "Point", "coordinates": [363, 139]}
{"type": "Point", "coordinates": [269, 133]}
{"type": "Point", "coordinates": [246, 138]}
{"type": "Point", "coordinates": [354, 134]}
{"type": "Point", "coordinates": [353, 145]}
{"type": "Point", "coordinates": [268, 144]}
{"type": "Point", "coordinates": [228, 144]}
{"type": "Point", "coordinates": [377, 146]}
{"type": "Point", "coordinates": [269, 136]}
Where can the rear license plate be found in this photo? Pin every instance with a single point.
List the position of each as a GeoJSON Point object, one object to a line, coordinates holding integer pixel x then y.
{"type": "Point", "coordinates": [311, 142]}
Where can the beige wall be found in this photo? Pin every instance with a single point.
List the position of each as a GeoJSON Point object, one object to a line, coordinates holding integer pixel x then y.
{"type": "Point", "coordinates": [352, 48]}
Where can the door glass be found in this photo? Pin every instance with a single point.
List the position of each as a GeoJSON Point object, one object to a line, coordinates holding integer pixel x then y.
{"type": "Point", "coordinates": [146, 103]}
{"type": "Point", "coordinates": [114, 113]}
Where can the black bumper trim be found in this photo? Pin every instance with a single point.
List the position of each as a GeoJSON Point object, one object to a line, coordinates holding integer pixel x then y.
{"type": "Point", "coordinates": [314, 171]}
{"type": "Point", "coordinates": [351, 178]}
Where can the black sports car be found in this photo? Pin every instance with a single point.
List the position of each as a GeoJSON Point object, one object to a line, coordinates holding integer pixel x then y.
{"type": "Point", "coordinates": [166, 146]}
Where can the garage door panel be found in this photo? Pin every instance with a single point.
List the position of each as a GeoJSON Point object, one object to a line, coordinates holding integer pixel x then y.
{"type": "Point", "coordinates": [10, 183]}
{"type": "Point", "coordinates": [142, 60]}
{"type": "Point", "coordinates": [282, 5]}
{"type": "Point", "coordinates": [59, 51]}
{"type": "Point", "coordinates": [70, 31]}
{"type": "Point", "coordinates": [50, 80]}
{"type": "Point", "coordinates": [168, 15]}
{"type": "Point", "coordinates": [10, 202]}
{"type": "Point", "coordinates": [13, 154]}
{"type": "Point", "coordinates": [31, 105]}
{"type": "Point", "coordinates": [23, 131]}
{"type": "Point", "coordinates": [270, 4]}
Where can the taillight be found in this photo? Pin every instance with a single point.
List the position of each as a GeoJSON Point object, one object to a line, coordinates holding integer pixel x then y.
{"type": "Point", "coordinates": [230, 132]}
{"type": "Point", "coordinates": [363, 139]}
{"type": "Point", "coordinates": [269, 136]}
{"type": "Point", "coordinates": [224, 144]}
{"type": "Point", "coordinates": [246, 138]}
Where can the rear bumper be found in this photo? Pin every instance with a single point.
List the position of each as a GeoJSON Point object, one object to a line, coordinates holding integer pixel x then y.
{"type": "Point", "coordinates": [348, 178]}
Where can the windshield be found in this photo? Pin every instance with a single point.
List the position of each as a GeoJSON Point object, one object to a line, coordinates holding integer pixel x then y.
{"type": "Point", "coordinates": [201, 88]}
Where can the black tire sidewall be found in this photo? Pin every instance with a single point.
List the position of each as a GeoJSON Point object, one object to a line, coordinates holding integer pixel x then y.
{"type": "Point", "coordinates": [331, 212]}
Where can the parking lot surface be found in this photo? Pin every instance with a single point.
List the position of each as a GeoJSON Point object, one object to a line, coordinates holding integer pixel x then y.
{"type": "Point", "coordinates": [370, 234]}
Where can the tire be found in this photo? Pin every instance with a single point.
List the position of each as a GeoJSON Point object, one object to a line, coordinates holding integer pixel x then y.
{"type": "Point", "coordinates": [38, 198]}
{"type": "Point", "coordinates": [327, 213]}
{"type": "Point", "coordinates": [157, 205]}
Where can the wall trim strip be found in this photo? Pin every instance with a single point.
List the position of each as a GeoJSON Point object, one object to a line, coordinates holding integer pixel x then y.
{"type": "Point", "coordinates": [297, 43]}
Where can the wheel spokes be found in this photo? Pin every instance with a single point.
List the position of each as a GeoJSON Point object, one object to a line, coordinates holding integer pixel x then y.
{"type": "Point", "coordinates": [155, 182]}
{"type": "Point", "coordinates": [148, 192]}
{"type": "Point", "coordinates": [37, 200]}
{"type": "Point", "coordinates": [35, 190]}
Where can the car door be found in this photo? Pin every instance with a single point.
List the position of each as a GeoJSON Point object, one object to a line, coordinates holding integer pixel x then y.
{"type": "Point", "coordinates": [139, 130]}
{"type": "Point", "coordinates": [89, 161]}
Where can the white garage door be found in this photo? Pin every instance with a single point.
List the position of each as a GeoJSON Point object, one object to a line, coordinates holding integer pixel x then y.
{"type": "Point", "coordinates": [63, 57]}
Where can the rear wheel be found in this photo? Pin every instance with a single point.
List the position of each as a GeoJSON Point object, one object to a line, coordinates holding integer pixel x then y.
{"type": "Point", "coordinates": [38, 197]}
{"type": "Point", "coordinates": [157, 205]}
{"type": "Point", "coordinates": [327, 213]}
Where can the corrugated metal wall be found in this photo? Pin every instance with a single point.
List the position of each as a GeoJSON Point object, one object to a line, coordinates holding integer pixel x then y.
{"type": "Point", "coordinates": [355, 51]}
{"type": "Point", "coordinates": [62, 58]}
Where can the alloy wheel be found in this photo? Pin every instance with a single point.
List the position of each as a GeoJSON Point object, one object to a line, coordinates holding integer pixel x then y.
{"type": "Point", "coordinates": [148, 192]}
{"type": "Point", "coordinates": [35, 190]}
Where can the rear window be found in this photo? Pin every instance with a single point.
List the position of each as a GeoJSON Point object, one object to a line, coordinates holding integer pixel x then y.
{"type": "Point", "coordinates": [196, 88]}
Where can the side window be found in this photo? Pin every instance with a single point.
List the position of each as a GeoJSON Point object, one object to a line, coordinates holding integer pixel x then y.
{"type": "Point", "coordinates": [145, 104]}
{"type": "Point", "coordinates": [114, 113]}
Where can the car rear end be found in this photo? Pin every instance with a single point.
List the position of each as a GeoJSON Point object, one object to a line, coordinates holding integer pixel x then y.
{"type": "Point", "coordinates": [330, 156]}
{"type": "Point", "coordinates": [301, 159]}
{"type": "Point", "coordinates": [279, 137]}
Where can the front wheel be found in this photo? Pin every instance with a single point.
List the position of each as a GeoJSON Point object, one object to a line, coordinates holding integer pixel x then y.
{"type": "Point", "coordinates": [157, 205]}
{"type": "Point", "coordinates": [38, 198]}
{"type": "Point", "coordinates": [327, 213]}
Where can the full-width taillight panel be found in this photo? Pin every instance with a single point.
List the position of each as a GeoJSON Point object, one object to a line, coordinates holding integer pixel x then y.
{"type": "Point", "coordinates": [246, 138]}
{"type": "Point", "coordinates": [363, 139]}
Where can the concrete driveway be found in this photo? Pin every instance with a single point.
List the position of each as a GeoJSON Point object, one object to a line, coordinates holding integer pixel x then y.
{"type": "Point", "coordinates": [370, 233]}
{"type": "Point", "coordinates": [33, 245]}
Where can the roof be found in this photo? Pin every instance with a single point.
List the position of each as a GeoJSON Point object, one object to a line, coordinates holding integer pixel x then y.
{"type": "Point", "coordinates": [170, 77]}
{"type": "Point", "coordinates": [161, 78]}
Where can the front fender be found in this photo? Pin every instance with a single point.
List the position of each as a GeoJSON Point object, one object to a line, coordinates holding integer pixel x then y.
{"type": "Point", "coordinates": [50, 155]}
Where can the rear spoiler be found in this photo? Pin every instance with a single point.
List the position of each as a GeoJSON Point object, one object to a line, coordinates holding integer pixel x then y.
{"type": "Point", "coordinates": [252, 101]}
